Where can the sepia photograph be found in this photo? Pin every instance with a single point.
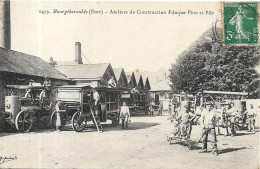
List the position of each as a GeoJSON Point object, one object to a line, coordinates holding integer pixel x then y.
{"type": "Point", "coordinates": [129, 85]}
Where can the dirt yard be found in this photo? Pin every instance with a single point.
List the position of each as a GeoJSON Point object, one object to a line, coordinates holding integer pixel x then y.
{"type": "Point", "coordinates": [144, 145]}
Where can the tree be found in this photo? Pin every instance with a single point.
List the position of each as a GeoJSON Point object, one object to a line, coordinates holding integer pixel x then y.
{"type": "Point", "coordinates": [207, 64]}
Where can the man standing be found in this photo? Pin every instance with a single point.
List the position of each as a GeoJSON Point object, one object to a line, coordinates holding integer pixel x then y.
{"type": "Point", "coordinates": [232, 113]}
{"type": "Point", "coordinates": [208, 123]}
{"type": "Point", "coordinates": [58, 120]}
{"type": "Point", "coordinates": [160, 108]}
{"type": "Point", "coordinates": [251, 114]}
{"type": "Point", "coordinates": [151, 107]}
{"type": "Point", "coordinates": [225, 118]}
{"type": "Point", "coordinates": [170, 107]}
{"type": "Point", "coordinates": [186, 118]}
{"type": "Point", "coordinates": [125, 115]}
{"type": "Point", "coordinates": [96, 98]}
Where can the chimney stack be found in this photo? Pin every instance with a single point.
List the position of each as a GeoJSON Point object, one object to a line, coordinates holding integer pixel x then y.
{"type": "Point", "coordinates": [78, 58]}
{"type": "Point", "coordinates": [5, 26]}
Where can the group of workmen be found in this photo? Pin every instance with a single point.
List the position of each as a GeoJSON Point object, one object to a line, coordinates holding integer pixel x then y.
{"type": "Point", "coordinates": [210, 117]}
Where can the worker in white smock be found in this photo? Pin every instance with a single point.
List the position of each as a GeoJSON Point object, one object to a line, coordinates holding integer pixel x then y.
{"type": "Point", "coordinates": [125, 115]}
{"type": "Point", "coordinates": [111, 83]}
{"type": "Point", "coordinates": [58, 121]}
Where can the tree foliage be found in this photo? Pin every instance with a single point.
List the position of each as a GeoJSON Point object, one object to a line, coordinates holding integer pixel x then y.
{"type": "Point", "coordinates": [207, 64]}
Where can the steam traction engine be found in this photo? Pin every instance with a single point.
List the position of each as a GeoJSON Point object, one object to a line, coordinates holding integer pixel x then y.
{"type": "Point", "coordinates": [23, 113]}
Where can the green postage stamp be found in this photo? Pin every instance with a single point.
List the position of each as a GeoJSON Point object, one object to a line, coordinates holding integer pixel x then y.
{"type": "Point", "coordinates": [240, 23]}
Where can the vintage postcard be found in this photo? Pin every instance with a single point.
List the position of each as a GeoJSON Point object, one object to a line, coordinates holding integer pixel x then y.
{"type": "Point", "coordinates": [129, 85]}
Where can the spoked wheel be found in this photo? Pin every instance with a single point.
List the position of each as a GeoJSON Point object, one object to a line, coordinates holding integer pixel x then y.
{"type": "Point", "coordinates": [78, 122]}
{"type": "Point", "coordinates": [115, 120]}
{"type": "Point", "coordinates": [44, 122]}
{"type": "Point", "coordinates": [24, 121]}
{"type": "Point", "coordinates": [54, 119]}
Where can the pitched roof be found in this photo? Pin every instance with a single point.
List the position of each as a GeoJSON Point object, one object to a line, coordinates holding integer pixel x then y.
{"type": "Point", "coordinates": [147, 84]}
{"type": "Point", "coordinates": [161, 85]}
{"type": "Point", "coordinates": [140, 82]}
{"type": "Point", "coordinates": [137, 76]}
{"type": "Point", "coordinates": [121, 77]}
{"type": "Point", "coordinates": [128, 76]}
{"type": "Point", "coordinates": [131, 79]}
{"type": "Point", "coordinates": [117, 72]}
{"type": "Point", "coordinates": [17, 62]}
{"type": "Point", "coordinates": [158, 80]}
{"type": "Point", "coordinates": [83, 71]}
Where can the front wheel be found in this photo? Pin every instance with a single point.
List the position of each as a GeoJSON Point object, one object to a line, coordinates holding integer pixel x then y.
{"type": "Point", "coordinates": [44, 122]}
{"type": "Point", "coordinates": [78, 122]}
{"type": "Point", "coordinates": [24, 121]}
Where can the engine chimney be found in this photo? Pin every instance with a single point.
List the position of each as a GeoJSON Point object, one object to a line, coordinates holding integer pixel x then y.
{"type": "Point", "coordinates": [5, 26]}
{"type": "Point", "coordinates": [78, 58]}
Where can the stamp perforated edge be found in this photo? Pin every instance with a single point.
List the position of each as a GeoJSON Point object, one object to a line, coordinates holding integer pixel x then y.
{"type": "Point", "coordinates": [222, 23]}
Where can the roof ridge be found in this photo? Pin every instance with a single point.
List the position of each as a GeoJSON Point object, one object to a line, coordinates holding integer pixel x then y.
{"type": "Point", "coordinates": [10, 50]}
{"type": "Point", "coordinates": [82, 64]}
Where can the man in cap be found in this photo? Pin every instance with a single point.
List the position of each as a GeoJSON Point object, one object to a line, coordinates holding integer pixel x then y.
{"type": "Point", "coordinates": [186, 118]}
{"type": "Point", "coordinates": [225, 118]}
{"type": "Point", "coordinates": [208, 123]}
{"type": "Point", "coordinates": [251, 114]}
{"type": "Point", "coordinates": [125, 115]}
{"type": "Point", "coordinates": [232, 113]}
{"type": "Point", "coordinates": [96, 98]}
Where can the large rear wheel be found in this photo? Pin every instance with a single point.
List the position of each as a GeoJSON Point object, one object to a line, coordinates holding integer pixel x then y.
{"type": "Point", "coordinates": [78, 122]}
{"type": "Point", "coordinates": [24, 121]}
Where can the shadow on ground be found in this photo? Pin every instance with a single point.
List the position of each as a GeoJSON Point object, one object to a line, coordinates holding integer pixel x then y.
{"type": "Point", "coordinates": [110, 127]}
{"type": "Point", "coordinates": [141, 125]}
{"type": "Point", "coordinates": [7, 134]}
{"type": "Point", "coordinates": [228, 150]}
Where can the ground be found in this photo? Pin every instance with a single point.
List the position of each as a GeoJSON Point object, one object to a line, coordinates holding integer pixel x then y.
{"type": "Point", "coordinates": [144, 145]}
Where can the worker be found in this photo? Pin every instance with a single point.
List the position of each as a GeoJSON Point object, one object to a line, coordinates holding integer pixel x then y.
{"type": "Point", "coordinates": [111, 83]}
{"type": "Point", "coordinates": [185, 117]}
{"type": "Point", "coordinates": [151, 107]}
{"type": "Point", "coordinates": [225, 118]}
{"type": "Point", "coordinates": [208, 124]}
{"type": "Point", "coordinates": [170, 107]}
{"type": "Point", "coordinates": [125, 115]}
{"type": "Point", "coordinates": [251, 115]}
{"type": "Point", "coordinates": [134, 90]}
{"type": "Point", "coordinates": [160, 108]}
{"type": "Point", "coordinates": [192, 120]}
{"type": "Point", "coordinates": [96, 98]}
{"type": "Point", "coordinates": [58, 120]}
{"type": "Point", "coordinates": [232, 113]}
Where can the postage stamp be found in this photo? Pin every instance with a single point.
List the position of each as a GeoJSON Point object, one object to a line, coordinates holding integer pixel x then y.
{"type": "Point", "coordinates": [240, 23]}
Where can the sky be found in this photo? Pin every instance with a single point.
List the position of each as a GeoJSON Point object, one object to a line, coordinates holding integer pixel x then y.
{"type": "Point", "coordinates": [137, 41]}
